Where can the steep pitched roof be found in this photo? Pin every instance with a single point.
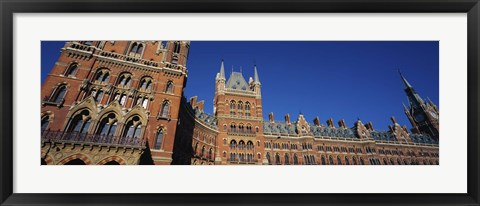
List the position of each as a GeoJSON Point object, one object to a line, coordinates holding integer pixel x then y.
{"type": "Point", "coordinates": [237, 82]}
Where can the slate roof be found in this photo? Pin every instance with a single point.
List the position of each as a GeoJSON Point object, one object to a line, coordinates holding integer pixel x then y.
{"type": "Point", "coordinates": [282, 128]}
{"type": "Point", "coordinates": [206, 118]}
{"type": "Point", "coordinates": [237, 82]}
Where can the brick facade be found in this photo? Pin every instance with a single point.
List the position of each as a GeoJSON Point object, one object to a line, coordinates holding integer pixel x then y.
{"type": "Point", "coordinates": [121, 102]}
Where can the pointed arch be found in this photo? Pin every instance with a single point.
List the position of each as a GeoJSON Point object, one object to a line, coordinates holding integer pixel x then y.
{"type": "Point", "coordinates": [74, 157]}
{"type": "Point", "coordinates": [117, 159]}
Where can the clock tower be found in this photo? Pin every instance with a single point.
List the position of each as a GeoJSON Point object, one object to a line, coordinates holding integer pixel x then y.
{"type": "Point", "coordinates": [423, 115]}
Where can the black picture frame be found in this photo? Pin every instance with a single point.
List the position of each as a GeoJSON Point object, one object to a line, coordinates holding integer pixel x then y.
{"type": "Point", "coordinates": [10, 7]}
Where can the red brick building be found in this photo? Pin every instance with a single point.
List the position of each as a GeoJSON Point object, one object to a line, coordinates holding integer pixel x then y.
{"type": "Point", "coordinates": [121, 102]}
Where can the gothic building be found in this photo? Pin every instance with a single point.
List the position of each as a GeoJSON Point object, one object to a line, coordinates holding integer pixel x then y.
{"type": "Point", "coordinates": [122, 102]}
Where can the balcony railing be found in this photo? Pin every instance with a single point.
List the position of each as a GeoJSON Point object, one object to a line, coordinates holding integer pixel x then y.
{"type": "Point", "coordinates": [76, 137]}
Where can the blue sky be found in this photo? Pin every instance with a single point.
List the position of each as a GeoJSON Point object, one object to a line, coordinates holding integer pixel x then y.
{"type": "Point", "coordinates": [342, 80]}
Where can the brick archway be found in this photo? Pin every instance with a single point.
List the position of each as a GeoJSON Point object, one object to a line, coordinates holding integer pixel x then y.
{"type": "Point", "coordinates": [75, 156]}
{"type": "Point", "coordinates": [112, 158]}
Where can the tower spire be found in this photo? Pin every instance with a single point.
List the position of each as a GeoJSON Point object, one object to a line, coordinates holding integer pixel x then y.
{"type": "Point", "coordinates": [256, 79]}
{"type": "Point", "coordinates": [222, 71]}
{"type": "Point", "coordinates": [405, 82]}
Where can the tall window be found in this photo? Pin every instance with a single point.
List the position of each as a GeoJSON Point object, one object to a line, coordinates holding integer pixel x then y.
{"type": "Point", "coordinates": [330, 159]}
{"type": "Point", "coordinates": [277, 159]}
{"type": "Point", "coordinates": [123, 99]}
{"type": "Point", "coordinates": [80, 122]}
{"type": "Point", "coordinates": [71, 70]}
{"type": "Point", "coordinates": [233, 144]}
{"type": "Point", "coordinates": [176, 47]}
{"type": "Point", "coordinates": [159, 139]}
{"type": "Point", "coordinates": [45, 122]}
{"type": "Point", "coordinates": [165, 109]}
{"type": "Point", "coordinates": [268, 158]}
{"type": "Point", "coordinates": [232, 104]}
{"type": "Point", "coordinates": [145, 103]}
{"type": "Point", "coordinates": [133, 128]}
{"type": "Point", "coordinates": [59, 94]}
{"type": "Point", "coordinates": [107, 125]}
{"type": "Point", "coordinates": [169, 88]}
{"type": "Point", "coordinates": [339, 161]}
{"type": "Point", "coordinates": [287, 159]}
{"type": "Point", "coordinates": [98, 96]}
{"type": "Point", "coordinates": [295, 159]}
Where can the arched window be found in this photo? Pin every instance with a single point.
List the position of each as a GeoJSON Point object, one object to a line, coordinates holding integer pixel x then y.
{"type": "Point", "coordinates": [71, 70]}
{"type": "Point", "coordinates": [232, 104]}
{"type": "Point", "coordinates": [210, 153]}
{"type": "Point", "coordinates": [330, 159]}
{"type": "Point", "coordinates": [102, 75]}
{"type": "Point", "coordinates": [233, 144]}
{"type": "Point", "coordinates": [268, 158]}
{"type": "Point", "coordinates": [339, 161]}
{"type": "Point", "coordinates": [203, 152]}
{"type": "Point", "coordinates": [250, 145]}
{"type": "Point", "coordinates": [169, 88]}
{"type": "Point", "coordinates": [354, 159]}
{"type": "Point", "coordinates": [165, 112]}
{"type": "Point", "coordinates": [247, 106]}
{"type": "Point", "coordinates": [277, 159]}
{"type": "Point", "coordinates": [392, 162]}
{"type": "Point", "coordinates": [385, 161]}
{"type": "Point", "coordinates": [107, 125]}
{"type": "Point", "coordinates": [133, 128]}
{"type": "Point", "coordinates": [80, 123]}
{"type": "Point", "coordinates": [125, 80]}
{"type": "Point", "coordinates": [136, 50]}
{"type": "Point", "coordinates": [196, 148]}
{"type": "Point", "coordinates": [159, 139]}
{"type": "Point", "coordinates": [362, 162]}
{"type": "Point", "coordinates": [145, 83]}
{"type": "Point", "coordinates": [323, 160]}
{"type": "Point", "coordinates": [287, 159]}
{"type": "Point", "coordinates": [295, 159]}
{"type": "Point", "coordinates": [347, 161]}
{"type": "Point", "coordinates": [45, 122]}
{"type": "Point", "coordinates": [241, 144]}
{"type": "Point", "coordinates": [240, 105]}
{"type": "Point", "coordinates": [59, 94]}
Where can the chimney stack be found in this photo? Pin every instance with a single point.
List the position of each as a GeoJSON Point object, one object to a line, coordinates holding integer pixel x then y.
{"type": "Point", "coordinates": [287, 118]}
{"type": "Point", "coordinates": [330, 123]}
{"type": "Point", "coordinates": [316, 121]}
{"type": "Point", "coordinates": [342, 124]}
{"type": "Point", "coordinates": [270, 117]}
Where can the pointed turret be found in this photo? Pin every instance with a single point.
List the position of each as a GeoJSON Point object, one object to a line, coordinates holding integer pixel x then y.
{"type": "Point", "coordinates": [414, 99]}
{"type": "Point", "coordinates": [222, 71]}
{"type": "Point", "coordinates": [255, 77]}
{"type": "Point", "coordinates": [405, 82]}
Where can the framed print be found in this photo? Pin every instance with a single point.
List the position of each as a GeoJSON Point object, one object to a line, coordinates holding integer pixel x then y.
{"type": "Point", "coordinates": [251, 103]}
